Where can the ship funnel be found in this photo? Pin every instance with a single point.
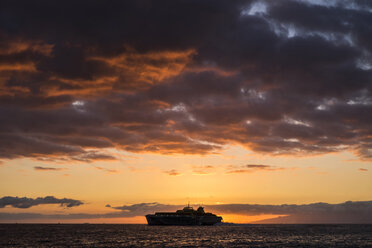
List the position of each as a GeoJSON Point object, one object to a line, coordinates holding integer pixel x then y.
{"type": "Point", "coordinates": [200, 210]}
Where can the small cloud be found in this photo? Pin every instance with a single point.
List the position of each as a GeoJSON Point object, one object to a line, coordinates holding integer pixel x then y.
{"type": "Point", "coordinates": [239, 171]}
{"type": "Point", "coordinates": [41, 168]}
{"type": "Point", "coordinates": [250, 168]}
{"type": "Point", "coordinates": [84, 157]}
{"type": "Point", "coordinates": [92, 156]}
{"type": "Point", "coordinates": [363, 169]}
{"type": "Point", "coordinates": [172, 173]}
{"type": "Point", "coordinates": [259, 166]}
{"type": "Point", "coordinates": [106, 169]}
{"type": "Point", "coordinates": [108, 206]}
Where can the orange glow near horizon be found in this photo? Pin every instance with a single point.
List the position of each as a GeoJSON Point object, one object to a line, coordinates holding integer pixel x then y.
{"type": "Point", "coordinates": [245, 219]}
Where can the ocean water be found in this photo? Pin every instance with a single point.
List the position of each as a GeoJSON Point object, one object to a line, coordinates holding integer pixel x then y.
{"type": "Point", "coordinates": [116, 235]}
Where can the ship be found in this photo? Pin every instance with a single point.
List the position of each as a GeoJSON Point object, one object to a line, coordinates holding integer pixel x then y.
{"type": "Point", "coordinates": [185, 217]}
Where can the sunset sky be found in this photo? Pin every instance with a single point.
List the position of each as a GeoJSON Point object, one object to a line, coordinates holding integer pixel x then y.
{"type": "Point", "coordinates": [261, 111]}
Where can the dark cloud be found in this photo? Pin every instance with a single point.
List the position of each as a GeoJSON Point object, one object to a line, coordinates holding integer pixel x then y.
{"type": "Point", "coordinates": [294, 77]}
{"type": "Point", "coordinates": [24, 202]}
{"type": "Point", "coordinates": [347, 212]}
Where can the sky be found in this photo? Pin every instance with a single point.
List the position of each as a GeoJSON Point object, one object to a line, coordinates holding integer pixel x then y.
{"type": "Point", "coordinates": [261, 111]}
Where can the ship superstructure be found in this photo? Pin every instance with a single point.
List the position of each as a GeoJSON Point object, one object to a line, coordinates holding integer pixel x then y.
{"type": "Point", "coordinates": [185, 217]}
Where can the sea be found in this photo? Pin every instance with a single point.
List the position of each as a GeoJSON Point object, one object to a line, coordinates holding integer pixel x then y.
{"type": "Point", "coordinates": [132, 235]}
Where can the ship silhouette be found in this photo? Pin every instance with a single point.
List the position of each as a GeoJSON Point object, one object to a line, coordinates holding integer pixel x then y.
{"type": "Point", "coordinates": [185, 217]}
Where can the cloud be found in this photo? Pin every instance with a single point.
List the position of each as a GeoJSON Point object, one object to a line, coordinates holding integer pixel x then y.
{"type": "Point", "coordinates": [250, 168]}
{"type": "Point", "coordinates": [24, 202]}
{"type": "Point", "coordinates": [363, 169]}
{"type": "Point", "coordinates": [283, 77]}
{"type": "Point", "coordinates": [106, 169]}
{"type": "Point", "coordinates": [259, 166]}
{"type": "Point", "coordinates": [41, 168]}
{"type": "Point", "coordinates": [172, 172]}
{"type": "Point", "coordinates": [347, 212]}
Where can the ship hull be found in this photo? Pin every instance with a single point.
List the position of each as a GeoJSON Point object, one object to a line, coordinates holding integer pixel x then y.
{"type": "Point", "coordinates": [182, 220]}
